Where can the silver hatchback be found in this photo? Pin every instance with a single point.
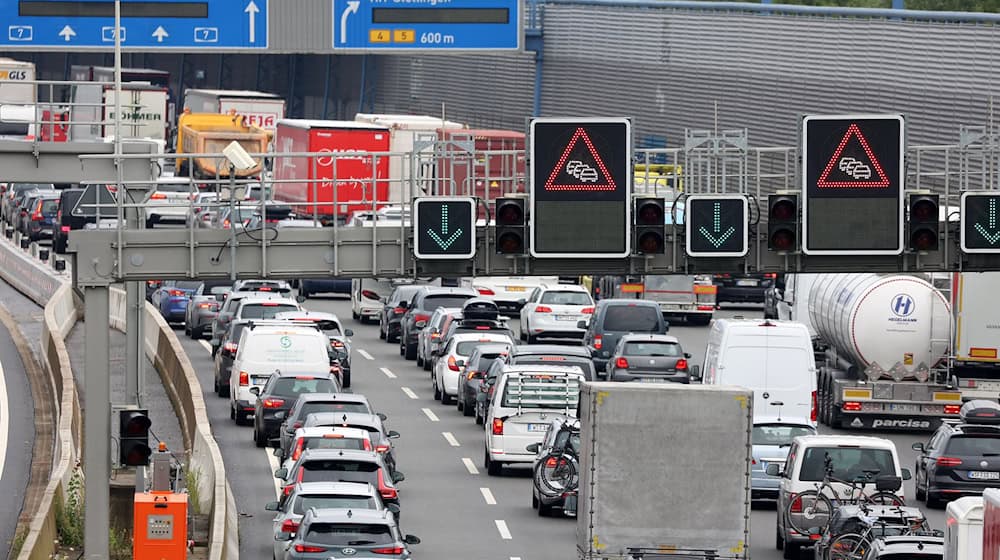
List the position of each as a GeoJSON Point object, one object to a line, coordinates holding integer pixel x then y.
{"type": "Point", "coordinates": [649, 358]}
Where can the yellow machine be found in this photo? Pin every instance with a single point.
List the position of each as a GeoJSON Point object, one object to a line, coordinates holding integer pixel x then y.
{"type": "Point", "coordinates": [657, 179]}
{"type": "Point", "coordinates": [202, 133]}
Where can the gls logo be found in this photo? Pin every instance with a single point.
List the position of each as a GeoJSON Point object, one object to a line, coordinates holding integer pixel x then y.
{"type": "Point", "coordinates": [907, 424]}
{"type": "Point", "coordinates": [903, 305]}
{"type": "Point", "coordinates": [13, 74]}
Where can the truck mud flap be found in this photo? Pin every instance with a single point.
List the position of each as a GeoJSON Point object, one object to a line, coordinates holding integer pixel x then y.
{"type": "Point", "coordinates": [889, 423]}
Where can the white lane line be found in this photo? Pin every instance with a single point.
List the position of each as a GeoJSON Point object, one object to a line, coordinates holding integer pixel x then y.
{"type": "Point", "coordinates": [515, 558]}
{"type": "Point", "coordinates": [205, 345]}
{"type": "Point", "coordinates": [488, 496]}
{"type": "Point", "coordinates": [409, 393]}
{"type": "Point", "coordinates": [388, 373]}
{"type": "Point", "coordinates": [365, 355]}
{"type": "Point", "coordinates": [273, 461]}
{"type": "Point", "coordinates": [4, 419]}
{"type": "Point", "coordinates": [504, 531]}
{"type": "Point", "coordinates": [470, 466]}
{"type": "Point", "coordinates": [430, 414]}
{"type": "Point", "coordinates": [451, 439]}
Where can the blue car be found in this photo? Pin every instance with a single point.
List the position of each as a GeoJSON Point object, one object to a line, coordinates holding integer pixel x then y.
{"type": "Point", "coordinates": [171, 298]}
{"type": "Point", "coordinates": [41, 217]}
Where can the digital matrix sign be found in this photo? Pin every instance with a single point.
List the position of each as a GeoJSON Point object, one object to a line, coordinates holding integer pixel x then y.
{"type": "Point", "coordinates": [444, 228]}
{"type": "Point", "coordinates": [716, 225]}
{"type": "Point", "coordinates": [980, 216]}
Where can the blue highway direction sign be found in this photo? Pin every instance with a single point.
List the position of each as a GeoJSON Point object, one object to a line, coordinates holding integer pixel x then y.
{"type": "Point", "coordinates": [451, 25]}
{"type": "Point", "coordinates": [444, 228]}
{"type": "Point", "coordinates": [157, 24]}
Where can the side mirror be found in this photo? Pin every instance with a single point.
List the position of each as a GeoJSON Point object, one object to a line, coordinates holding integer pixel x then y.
{"type": "Point", "coordinates": [906, 473]}
{"type": "Point", "coordinates": [403, 305]}
{"type": "Point", "coordinates": [348, 332]}
{"type": "Point", "coordinates": [917, 447]}
{"type": "Point", "coordinates": [687, 355]}
{"type": "Point", "coordinates": [773, 469]}
{"type": "Point", "coordinates": [522, 301]}
{"type": "Point", "coordinates": [300, 299]}
{"type": "Point", "coordinates": [393, 434]}
{"type": "Point", "coordinates": [281, 473]}
{"type": "Point", "coordinates": [696, 373]}
{"type": "Point", "coordinates": [581, 324]}
{"type": "Point", "coordinates": [410, 539]}
{"type": "Point", "coordinates": [392, 507]}
{"type": "Point", "coordinates": [382, 416]}
{"type": "Point", "coordinates": [280, 415]}
{"type": "Point", "coordinates": [271, 506]}
{"type": "Point", "coordinates": [460, 363]}
{"type": "Point", "coordinates": [666, 326]}
{"type": "Point", "coordinates": [277, 452]}
{"type": "Point", "coordinates": [255, 391]}
{"type": "Point", "coordinates": [533, 448]}
{"type": "Point", "coordinates": [284, 536]}
{"type": "Point", "coordinates": [383, 300]}
{"type": "Point", "coordinates": [398, 476]}
{"type": "Point", "coordinates": [480, 397]}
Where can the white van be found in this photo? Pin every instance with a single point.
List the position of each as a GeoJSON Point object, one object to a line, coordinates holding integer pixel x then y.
{"type": "Point", "coordinates": [963, 529]}
{"type": "Point", "coordinates": [264, 349]}
{"type": "Point", "coordinates": [526, 400]}
{"type": "Point", "coordinates": [774, 359]}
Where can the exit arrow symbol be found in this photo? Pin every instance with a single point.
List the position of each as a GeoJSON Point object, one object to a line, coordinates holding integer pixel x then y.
{"type": "Point", "coordinates": [252, 10]}
{"type": "Point", "coordinates": [160, 33]}
{"type": "Point", "coordinates": [440, 239]}
{"type": "Point", "coordinates": [991, 237]}
{"type": "Point", "coordinates": [352, 8]}
{"type": "Point", "coordinates": [717, 226]}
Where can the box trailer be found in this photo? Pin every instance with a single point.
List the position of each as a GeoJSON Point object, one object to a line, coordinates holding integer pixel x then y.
{"type": "Point", "coordinates": [17, 82]}
{"type": "Point", "coordinates": [482, 163]}
{"type": "Point", "coordinates": [963, 529]}
{"type": "Point", "coordinates": [976, 362]}
{"type": "Point", "coordinates": [260, 109]}
{"type": "Point", "coordinates": [145, 111]}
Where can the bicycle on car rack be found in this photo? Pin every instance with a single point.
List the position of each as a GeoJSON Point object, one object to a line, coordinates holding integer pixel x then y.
{"type": "Point", "coordinates": [854, 546]}
{"type": "Point", "coordinates": [811, 510]}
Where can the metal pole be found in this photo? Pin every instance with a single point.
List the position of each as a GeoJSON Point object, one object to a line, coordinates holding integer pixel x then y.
{"type": "Point", "coordinates": [134, 355]}
{"type": "Point", "coordinates": [97, 424]}
{"type": "Point", "coordinates": [232, 219]}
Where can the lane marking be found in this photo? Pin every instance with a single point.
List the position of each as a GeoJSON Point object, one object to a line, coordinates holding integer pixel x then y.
{"type": "Point", "coordinates": [470, 466]}
{"type": "Point", "coordinates": [205, 345]}
{"type": "Point", "coordinates": [515, 558]}
{"type": "Point", "coordinates": [409, 393]}
{"type": "Point", "coordinates": [365, 355]}
{"type": "Point", "coordinates": [4, 419]}
{"type": "Point", "coordinates": [388, 373]}
{"type": "Point", "coordinates": [504, 531]}
{"type": "Point", "coordinates": [488, 496]}
{"type": "Point", "coordinates": [273, 461]}
{"type": "Point", "coordinates": [451, 439]}
{"type": "Point", "coordinates": [430, 414]}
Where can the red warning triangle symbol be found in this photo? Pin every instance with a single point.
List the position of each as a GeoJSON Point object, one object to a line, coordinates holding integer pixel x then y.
{"type": "Point", "coordinates": [858, 168]}
{"type": "Point", "coordinates": [580, 168]}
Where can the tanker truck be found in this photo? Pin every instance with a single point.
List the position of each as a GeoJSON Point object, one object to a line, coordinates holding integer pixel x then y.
{"type": "Point", "coordinates": [881, 345]}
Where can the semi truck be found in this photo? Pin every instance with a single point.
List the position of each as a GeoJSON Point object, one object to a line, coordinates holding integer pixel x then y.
{"type": "Point", "coordinates": [209, 133]}
{"type": "Point", "coordinates": [636, 497]}
{"type": "Point", "coordinates": [687, 297]}
{"type": "Point", "coordinates": [151, 76]}
{"type": "Point", "coordinates": [881, 344]}
{"type": "Point", "coordinates": [359, 180]}
{"type": "Point", "coordinates": [975, 362]}
{"type": "Point", "coordinates": [145, 112]}
{"type": "Point", "coordinates": [259, 109]}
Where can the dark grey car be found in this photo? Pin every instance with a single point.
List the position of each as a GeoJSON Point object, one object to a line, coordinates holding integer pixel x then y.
{"type": "Point", "coordinates": [473, 373]}
{"type": "Point", "coordinates": [418, 311]}
{"type": "Point", "coordinates": [614, 318]}
{"type": "Point", "coordinates": [204, 305]}
{"type": "Point", "coordinates": [225, 353]}
{"type": "Point", "coordinates": [649, 357]}
{"type": "Point", "coordinates": [393, 310]}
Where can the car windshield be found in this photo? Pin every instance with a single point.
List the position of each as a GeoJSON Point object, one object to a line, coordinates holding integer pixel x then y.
{"type": "Point", "coordinates": [979, 446]}
{"type": "Point", "coordinates": [187, 285]}
{"type": "Point", "coordinates": [632, 318]}
{"type": "Point", "coordinates": [334, 441]}
{"type": "Point", "coordinates": [565, 298]}
{"type": "Point", "coordinates": [584, 364]}
{"type": "Point", "coordinates": [339, 471]}
{"type": "Point", "coordinates": [465, 348]}
{"type": "Point", "coordinates": [315, 407]}
{"type": "Point", "coordinates": [349, 534]}
{"type": "Point", "coordinates": [292, 386]}
{"type": "Point", "coordinates": [50, 205]}
{"type": "Point", "coordinates": [432, 302]}
{"type": "Point", "coordinates": [303, 503]}
{"type": "Point", "coordinates": [264, 310]}
{"type": "Point", "coordinates": [778, 434]}
{"type": "Point", "coordinates": [849, 463]}
{"type": "Point", "coordinates": [652, 349]}
{"type": "Point", "coordinates": [404, 293]}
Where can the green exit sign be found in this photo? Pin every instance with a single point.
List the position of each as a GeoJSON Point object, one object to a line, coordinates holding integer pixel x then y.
{"type": "Point", "coordinates": [444, 227]}
{"type": "Point", "coordinates": [980, 215]}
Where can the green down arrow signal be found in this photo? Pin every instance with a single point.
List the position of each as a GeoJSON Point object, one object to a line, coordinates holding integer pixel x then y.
{"type": "Point", "coordinates": [991, 237]}
{"type": "Point", "coordinates": [716, 226]}
{"type": "Point", "coordinates": [440, 239]}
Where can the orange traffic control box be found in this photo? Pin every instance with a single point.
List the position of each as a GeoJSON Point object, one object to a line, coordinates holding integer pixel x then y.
{"type": "Point", "coordinates": [160, 526]}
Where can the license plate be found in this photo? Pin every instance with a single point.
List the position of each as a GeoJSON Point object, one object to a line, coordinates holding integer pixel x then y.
{"type": "Point", "coordinates": [905, 407]}
{"type": "Point", "coordinates": [538, 427]}
{"type": "Point", "coordinates": [984, 475]}
{"type": "Point", "coordinates": [515, 288]}
{"type": "Point", "coordinates": [746, 282]}
{"type": "Point", "coordinates": [651, 380]}
{"type": "Point", "coordinates": [259, 381]}
{"type": "Point", "coordinates": [565, 317]}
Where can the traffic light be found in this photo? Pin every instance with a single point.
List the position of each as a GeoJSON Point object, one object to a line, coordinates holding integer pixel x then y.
{"type": "Point", "coordinates": [923, 227]}
{"type": "Point", "coordinates": [510, 226]}
{"type": "Point", "coordinates": [782, 222]}
{"type": "Point", "coordinates": [649, 225]}
{"type": "Point", "coordinates": [133, 437]}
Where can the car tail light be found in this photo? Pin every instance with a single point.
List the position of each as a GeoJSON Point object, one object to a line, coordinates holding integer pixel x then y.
{"type": "Point", "coordinates": [485, 292]}
{"type": "Point", "coordinates": [368, 294]}
{"type": "Point", "coordinates": [948, 461]}
{"type": "Point", "coordinates": [420, 320]}
{"type": "Point", "coordinates": [796, 504]}
{"type": "Point", "coordinates": [225, 223]}
{"type": "Point", "coordinates": [587, 310]}
{"type": "Point", "coordinates": [399, 310]}
{"type": "Point", "coordinates": [336, 344]}
{"type": "Point", "coordinates": [299, 444]}
{"type": "Point", "coordinates": [382, 448]}
{"type": "Point", "coordinates": [483, 328]}
{"type": "Point", "coordinates": [64, 229]}
{"type": "Point", "coordinates": [952, 408]}
{"type": "Point", "coordinates": [388, 550]}
{"type": "Point", "coordinates": [244, 379]}
{"type": "Point", "coordinates": [308, 548]}
{"type": "Point", "coordinates": [157, 196]}
{"type": "Point", "coordinates": [386, 491]}
{"type": "Point", "coordinates": [706, 308]}
{"type": "Point", "coordinates": [230, 347]}
{"type": "Point", "coordinates": [597, 342]}
{"type": "Point", "coordinates": [204, 305]}
{"type": "Point", "coordinates": [290, 526]}
{"type": "Point", "coordinates": [472, 375]}
{"type": "Point", "coordinates": [498, 426]}
{"type": "Point", "coordinates": [273, 403]}
{"type": "Point", "coordinates": [297, 425]}
{"type": "Point", "coordinates": [621, 363]}
{"type": "Point", "coordinates": [543, 309]}
{"type": "Point", "coordinates": [813, 411]}
{"type": "Point", "coordinates": [333, 436]}
{"type": "Point", "coordinates": [435, 335]}
{"type": "Point", "coordinates": [681, 364]}
{"type": "Point", "coordinates": [36, 216]}
{"type": "Point", "coordinates": [270, 304]}
{"type": "Point", "coordinates": [452, 364]}
{"type": "Point", "coordinates": [851, 406]}
{"type": "Point", "coordinates": [175, 293]}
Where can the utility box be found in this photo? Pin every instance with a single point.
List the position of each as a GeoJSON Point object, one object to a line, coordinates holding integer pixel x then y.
{"type": "Point", "coordinates": [160, 530]}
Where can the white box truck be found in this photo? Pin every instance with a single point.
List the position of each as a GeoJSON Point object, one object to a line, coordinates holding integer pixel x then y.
{"type": "Point", "coordinates": [963, 529]}
{"type": "Point", "coordinates": [644, 449]}
{"type": "Point", "coordinates": [145, 111]}
{"type": "Point", "coordinates": [17, 82]}
{"type": "Point", "coordinates": [262, 110]}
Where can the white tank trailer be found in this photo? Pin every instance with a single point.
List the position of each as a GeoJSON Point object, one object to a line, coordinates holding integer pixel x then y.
{"type": "Point", "coordinates": [882, 348]}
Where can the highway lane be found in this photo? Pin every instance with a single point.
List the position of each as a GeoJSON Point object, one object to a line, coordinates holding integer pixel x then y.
{"type": "Point", "coordinates": [17, 434]}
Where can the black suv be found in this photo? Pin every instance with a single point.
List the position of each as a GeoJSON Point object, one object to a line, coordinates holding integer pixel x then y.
{"type": "Point", "coordinates": [278, 395]}
{"type": "Point", "coordinates": [962, 457]}
{"type": "Point", "coordinates": [742, 288]}
{"type": "Point", "coordinates": [419, 309]}
{"type": "Point", "coordinates": [614, 318]}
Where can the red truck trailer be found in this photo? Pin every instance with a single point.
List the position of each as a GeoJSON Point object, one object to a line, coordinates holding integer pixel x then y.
{"type": "Point", "coordinates": [302, 180]}
{"type": "Point", "coordinates": [494, 168]}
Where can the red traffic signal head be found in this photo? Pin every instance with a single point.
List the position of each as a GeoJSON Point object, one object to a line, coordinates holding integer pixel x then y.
{"type": "Point", "coordinates": [510, 226]}
{"type": "Point", "coordinates": [133, 437]}
{"type": "Point", "coordinates": [649, 211]}
{"type": "Point", "coordinates": [924, 226]}
{"type": "Point", "coordinates": [510, 211]}
{"type": "Point", "coordinates": [782, 222]}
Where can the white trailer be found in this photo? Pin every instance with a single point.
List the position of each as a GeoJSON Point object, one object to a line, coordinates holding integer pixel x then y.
{"type": "Point", "coordinates": [641, 446]}
{"type": "Point", "coordinates": [963, 529]}
{"type": "Point", "coordinates": [17, 82]}
{"type": "Point", "coordinates": [976, 362]}
{"type": "Point", "coordinates": [260, 109]}
{"type": "Point", "coordinates": [144, 107]}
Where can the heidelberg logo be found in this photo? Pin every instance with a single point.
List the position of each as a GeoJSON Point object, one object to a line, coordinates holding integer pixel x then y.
{"type": "Point", "coordinates": [893, 423]}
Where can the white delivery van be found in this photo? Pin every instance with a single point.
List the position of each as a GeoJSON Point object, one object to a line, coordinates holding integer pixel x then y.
{"type": "Point", "coordinates": [264, 349]}
{"type": "Point", "coordinates": [963, 529]}
{"type": "Point", "coordinates": [774, 359]}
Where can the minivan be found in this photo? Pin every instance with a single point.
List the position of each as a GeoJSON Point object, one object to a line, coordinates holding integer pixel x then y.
{"type": "Point", "coordinates": [614, 317]}
{"type": "Point", "coordinates": [774, 359]}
